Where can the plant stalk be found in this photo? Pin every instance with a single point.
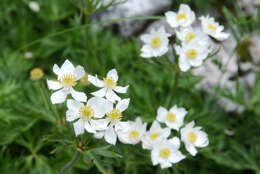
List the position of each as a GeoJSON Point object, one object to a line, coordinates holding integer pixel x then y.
{"type": "Point", "coordinates": [70, 164]}
{"type": "Point", "coordinates": [175, 85]}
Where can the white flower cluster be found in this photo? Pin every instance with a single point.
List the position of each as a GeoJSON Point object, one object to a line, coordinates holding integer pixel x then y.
{"type": "Point", "coordinates": [102, 116]}
{"type": "Point", "coordinates": [194, 47]}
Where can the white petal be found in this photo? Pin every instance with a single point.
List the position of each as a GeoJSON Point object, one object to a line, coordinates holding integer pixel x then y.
{"type": "Point", "coordinates": [95, 81]}
{"type": "Point", "coordinates": [79, 96]}
{"type": "Point", "coordinates": [222, 36]}
{"type": "Point", "coordinates": [171, 19]}
{"type": "Point", "coordinates": [176, 157]}
{"type": "Point", "coordinates": [161, 114]}
{"type": "Point", "coordinates": [71, 115]}
{"type": "Point", "coordinates": [184, 64]}
{"type": "Point", "coordinates": [110, 136]}
{"type": "Point", "coordinates": [166, 132]}
{"type": "Point", "coordinates": [79, 72]}
{"type": "Point", "coordinates": [191, 149]}
{"type": "Point", "coordinates": [123, 104]}
{"type": "Point", "coordinates": [100, 124]}
{"type": "Point", "coordinates": [166, 164]}
{"type": "Point", "coordinates": [99, 135]}
{"type": "Point", "coordinates": [100, 106]}
{"type": "Point", "coordinates": [113, 73]}
{"type": "Point", "coordinates": [58, 96]}
{"type": "Point", "coordinates": [79, 127]}
{"type": "Point", "coordinates": [89, 127]}
{"type": "Point", "coordinates": [155, 156]}
{"type": "Point", "coordinates": [56, 69]}
{"type": "Point", "coordinates": [111, 95]}
{"type": "Point", "coordinates": [67, 67]}
{"type": "Point", "coordinates": [54, 85]}
{"type": "Point", "coordinates": [175, 141]}
{"type": "Point", "coordinates": [202, 139]}
{"type": "Point", "coordinates": [100, 93]}
{"type": "Point", "coordinates": [74, 105]}
{"type": "Point", "coordinates": [121, 89]}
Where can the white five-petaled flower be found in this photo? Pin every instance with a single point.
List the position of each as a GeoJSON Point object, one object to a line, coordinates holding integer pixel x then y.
{"type": "Point", "coordinates": [191, 54]}
{"type": "Point", "coordinates": [132, 131]}
{"type": "Point", "coordinates": [95, 107]}
{"type": "Point", "coordinates": [112, 123]}
{"type": "Point", "coordinates": [172, 118]}
{"type": "Point", "coordinates": [184, 18]}
{"type": "Point", "coordinates": [108, 85]}
{"type": "Point", "coordinates": [67, 79]}
{"type": "Point", "coordinates": [155, 134]}
{"type": "Point", "coordinates": [193, 137]}
{"type": "Point", "coordinates": [213, 28]}
{"type": "Point", "coordinates": [166, 152]}
{"type": "Point", "coordinates": [155, 44]}
{"type": "Point", "coordinates": [34, 6]}
{"type": "Point", "coordinates": [188, 35]}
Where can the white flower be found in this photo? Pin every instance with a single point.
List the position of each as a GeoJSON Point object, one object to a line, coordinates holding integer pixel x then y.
{"type": "Point", "coordinates": [132, 132]}
{"type": "Point", "coordinates": [188, 35]}
{"type": "Point", "coordinates": [155, 44]}
{"type": "Point", "coordinates": [213, 28]}
{"type": "Point", "coordinates": [155, 134]}
{"type": "Point", "coordinates": [95, 107]}
{"type": "Point", "coordinates": [191, 54]}
{"type": "Point", "coordinates": [172, 118]}
{"type": "Point", "coordinates": [112, 123]}
{"type": "Point", "coordinates": [166, 152]}
{"type": "Point", "coordinates": [28, 55]}
{"type": "Point", "coordinates": [193, 137]}
{"type": "Point", "coordinates": [34, 6]}
{"type": "Point", "coordinates": [108, 85]}
{"type": "Point", "coordinates": [184, 18]}
{"type": "Point", "coordinates": [67, 79]}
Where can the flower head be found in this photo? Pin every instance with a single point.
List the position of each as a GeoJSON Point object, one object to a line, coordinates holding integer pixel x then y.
{"type": "Point", "coordinates": [34, 6]}
{"type": "Point", "coordinates": [166, 152]}
{"type": "Point", "coordinates": [188, 35]}
{"type": "Point", "coordinates": [155, 134]}
{"type": "Point", "coordinates": [36, 74]}
{"type": "Point", "coordinates": [172, 118]}
{"type": "Point", "coordinates": [132, 132]}
{"type": "Point", "coordinates": [112, 123]}
{"type": "Point", "coordinates": [213, 28]}
{"type": "Point", "coordinates": [68, 76]}
{"type": "Point", "coordinates": [191, 54]}
{"type": "Point", "coordinates": [193, 137]}
{"type": "Point", "coordinates": [108, 85]}
{"type": "Point", "coordinates": [184, 17]}
{"type": "Point", "coordinates": [156, 43]}
{"type": "Point", "coordinates": [85, 114]}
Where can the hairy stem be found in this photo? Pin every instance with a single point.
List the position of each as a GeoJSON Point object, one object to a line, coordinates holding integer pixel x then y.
{"type": "Point", "coordinates": [70, 164]}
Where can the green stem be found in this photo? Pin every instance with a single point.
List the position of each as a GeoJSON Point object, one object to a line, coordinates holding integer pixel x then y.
{"type": "Point", "coordinates": [175, 85]}
{"type": "Point", "coordinates": [73, 161]}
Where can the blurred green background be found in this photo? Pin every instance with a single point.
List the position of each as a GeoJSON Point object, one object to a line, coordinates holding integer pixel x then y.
{"type": "Point", "coordinates": [36, 139]}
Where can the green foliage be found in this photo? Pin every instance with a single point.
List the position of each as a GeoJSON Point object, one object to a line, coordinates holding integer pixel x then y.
{"type": "Point", "coordinates": [34, 136]}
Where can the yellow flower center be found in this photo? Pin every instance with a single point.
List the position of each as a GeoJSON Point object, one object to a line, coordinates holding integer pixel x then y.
{"type": "Point", "coordinates": [212, 27]}
{"type": "Point", "coordinates": [36, 74]}
{"type": "Point", "coordinates": [133, 134]}
{"type": "Point", "coordinates": [115, 114]}
{"type": "Point", "coordinates": [165, 152]}
{"type": "Point", "coordinates": [171, 117]}
{"type": "Point", "coordinates": [86, 112]}
{"type": "Point", "coordinates": [192, 137]}
{"type": "Point", "coordinates": [156, 42]}
{"type": "Point", "coordinates": [192, 53]}
{"type": "Point", "coordinates": [190, 36]}
{"type": "Point", "coordinates": [181, 16]}
{"type": "Point", "coordinates": [109, 82]}
{"type": "Point", "coordinates": [68, 80]}
{"type": "Point", "coordinates": [154, 135]}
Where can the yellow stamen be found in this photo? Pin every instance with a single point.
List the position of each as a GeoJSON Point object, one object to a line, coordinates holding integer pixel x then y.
{"type": "Point", "coordinates": [115, 114]}
{"type": "Point", "coordinates": [155, 135]}
{"type": "Point", "coordinates": [133, 134]}
{"type": "Point", "coordinates": [86, 112]}
{"type": "Point", "coordinates": [192, 137]}
{"type": "Point", "coordinates": [181, 16]}
{"type": "Point", "coordinates": [68, 80]}
{"type": "Point", "coordinates": [189, 36]}
{"type": "Point", "coordinates": [156, 42]}
{"type": "Point", "coordinates": [109, 82]}
{"type": "Point", "coordinates": [171, 117]}
{"type": "Point", "coordinates": [36, 74]}
{"type": "Point", "coordinates": [84, 80]}
{"type": "Point", "coordinates": [212, 27]}
{"type": "Point", "coordinates": [192, 53]}
{"type": "Point", "coordinates": [165, 152]}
